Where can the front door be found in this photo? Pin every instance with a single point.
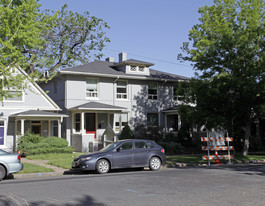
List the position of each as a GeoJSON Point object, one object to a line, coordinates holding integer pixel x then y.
{"type": "Point", "coordinates": [90, 123]}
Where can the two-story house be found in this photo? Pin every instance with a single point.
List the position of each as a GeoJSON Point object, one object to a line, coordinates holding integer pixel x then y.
{"type": "Point", "coordinates": [112, 94]}
{"type": "Point", "coordinates": [30, 109]}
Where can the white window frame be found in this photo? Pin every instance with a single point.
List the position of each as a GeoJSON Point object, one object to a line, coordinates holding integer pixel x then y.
{"type": "Point", "coordinates": [122, 96]}
{"type": "Point", "coordinates": [92, 94]}
{"type": "Point", "coordinates": [74, 123]}
{"type": "Point", "coordinates": [21, 97]}
{"type": "Point", "coordinates": [120, 125]}
{"type": "Point", "coordinates": [152, 96]}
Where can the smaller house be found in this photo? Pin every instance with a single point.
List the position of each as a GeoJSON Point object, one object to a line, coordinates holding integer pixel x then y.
{"type": "Point", "coordinates": [32, 111]}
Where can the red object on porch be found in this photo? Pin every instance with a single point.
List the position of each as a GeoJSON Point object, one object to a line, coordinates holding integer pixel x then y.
{"type": "Point", "coordinates": [92, 132]}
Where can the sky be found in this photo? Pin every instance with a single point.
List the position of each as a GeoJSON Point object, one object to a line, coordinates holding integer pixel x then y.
{"type": "Point", "coordinates": [147, 30]}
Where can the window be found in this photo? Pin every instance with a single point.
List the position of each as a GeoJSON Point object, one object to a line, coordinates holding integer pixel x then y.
{"type": "Point", "coordinates": [16, 96]}
{"type": "Point", "coordinates": [141, 145]}
{"type": "Point", "coordinates": [2, 132]}
{"type": "Point", "coordinates": [122, 90]}
{"type": "Point", "coordinates": [126, 146]}
{"type": "Point", "coordinates": [133, 68]}
{"type": "Point", "coordinates": [141, 69]}
{"type": "Point", "coordinates": [120, 121]}
{"type": "Point", "coordinates": [91, 88]}
{"type": "Point", "coordinates": [152, 91]}
{"type": "Point", "coordinates": [77, 123]}
{"type": "Point", "coordinates": [152, 119]}
{"type": "Point", "coordinates": [175, 96]}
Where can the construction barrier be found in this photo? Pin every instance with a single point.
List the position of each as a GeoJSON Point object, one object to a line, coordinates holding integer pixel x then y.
{"type": "Point", "coordinates": [217, 143]}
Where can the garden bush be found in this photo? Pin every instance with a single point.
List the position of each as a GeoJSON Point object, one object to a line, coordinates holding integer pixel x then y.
{"type": "Point", "coordinates": [172, 148]}
{"type": "Point", "coordinates": [126, 133]}
{"type": "Point", "coordinates": [43, 145]}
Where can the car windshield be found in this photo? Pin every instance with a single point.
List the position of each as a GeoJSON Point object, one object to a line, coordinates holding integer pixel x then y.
{"type": "Point", "coordinates": [109, 147]}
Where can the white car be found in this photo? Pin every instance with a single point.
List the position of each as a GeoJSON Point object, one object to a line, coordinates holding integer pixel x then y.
{"type": "Point", "coordinates": [9, 163]}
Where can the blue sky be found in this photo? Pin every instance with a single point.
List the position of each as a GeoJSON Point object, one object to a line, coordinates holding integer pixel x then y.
{"type": "Point", "coordinates": [148, 30]}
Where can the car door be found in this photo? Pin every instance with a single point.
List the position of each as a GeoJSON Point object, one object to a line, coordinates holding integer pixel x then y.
{"type": "Point", "coordinates": [123, 156]}
{"type": "Point", "coordinates": [141, 153]}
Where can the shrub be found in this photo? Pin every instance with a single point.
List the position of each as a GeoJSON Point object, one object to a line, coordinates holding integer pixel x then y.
{"type": "Point", "coordinates": [27, 141]}
{"type": "Point", "coordinates": [172, 148]}
{"type": "Point", "coordinates": [44, 146]}
{"type": "Point", "coordinates": [126, 133]}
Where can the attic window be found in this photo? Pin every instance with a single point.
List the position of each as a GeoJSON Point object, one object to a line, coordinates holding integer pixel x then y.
{"type": "Point", "coordinates": [141, 69]}
{"type": "Point", "coordinates": [133, 68]}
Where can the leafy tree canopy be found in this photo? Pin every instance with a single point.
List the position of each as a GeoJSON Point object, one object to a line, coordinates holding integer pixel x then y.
{"type": "Point", "coordinates": [228, 52]}
{"type": "Point", "coordinates": [36, 41]}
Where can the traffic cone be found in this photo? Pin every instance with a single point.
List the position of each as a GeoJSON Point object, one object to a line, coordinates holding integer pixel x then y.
{"type": "Point", "coordinates": [216, 161]}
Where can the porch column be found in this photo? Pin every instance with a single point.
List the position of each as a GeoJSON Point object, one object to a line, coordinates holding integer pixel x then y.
{"type": "Point", "coordinates": [59, 128]}
{"type": "Point", "coordinates": [22, 130]}
{"type": "Point", "coordinates": [15, 137]}
{"type": "Point", "coordinates": [49, 128]}
{"type": "Point", "coordinates": [179, 122]}
{"type": "Point", "coordinates": [82, 123]}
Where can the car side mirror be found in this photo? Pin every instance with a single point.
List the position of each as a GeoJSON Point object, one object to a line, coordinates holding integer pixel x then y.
{"type": "Point", "coordinates": [119, 149]}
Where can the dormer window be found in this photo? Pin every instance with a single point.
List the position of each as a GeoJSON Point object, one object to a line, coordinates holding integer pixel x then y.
{"type": "Point", "coordinates": [133, 68]}
{"type": "Point", "coordinates": [141, 69]}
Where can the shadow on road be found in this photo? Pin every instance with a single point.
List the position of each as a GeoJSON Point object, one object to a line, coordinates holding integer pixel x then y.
{"type": "Point", "coordinates": [247, 169]}
{"type": "Point", "coordinates": [13, 200]}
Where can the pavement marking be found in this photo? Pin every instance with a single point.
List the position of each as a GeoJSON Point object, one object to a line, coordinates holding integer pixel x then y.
{"type": "Point", "coordinates": [147, 195]}
{"type": "Point", "coordinates": [131, 190]}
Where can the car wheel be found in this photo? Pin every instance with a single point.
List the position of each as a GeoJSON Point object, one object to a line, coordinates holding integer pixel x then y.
{"type": "Point", "coordinates": [2, 172]}
{"type": "Point", "coordinates": [155, 163]}
{"type": "Point", "coordinates": [103, 166]}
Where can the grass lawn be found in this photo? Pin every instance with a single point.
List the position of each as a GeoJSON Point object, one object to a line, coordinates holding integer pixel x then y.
{"type": "Point", "coordinates": [63, 160]}
{"type": "Point", "coordinates": [198, 158]}
{"type": "Point", "coordinates": [31, 168]}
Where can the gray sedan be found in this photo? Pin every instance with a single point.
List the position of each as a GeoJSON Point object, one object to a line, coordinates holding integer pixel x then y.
{"type": "Point", "coordinates": [129, 153]}
{"type": "Point", "coordinates": [9, 163]}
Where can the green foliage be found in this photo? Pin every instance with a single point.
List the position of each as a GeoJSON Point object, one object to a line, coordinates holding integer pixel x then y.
{"type": "Point", "coordinates": [126, 133]}
{"type": "Point", "coordinates": [73, 39]}
{"type": "Point", "coordinates": [34, 144]}
{"type": "Point", "coordinates": [172, 148]}
{"type": "Point", "coordinates": [20, 32]}
{"type": "Point", "coordinates": [228, 51]}
{"type": "Point", "coordinates": [152, 133]}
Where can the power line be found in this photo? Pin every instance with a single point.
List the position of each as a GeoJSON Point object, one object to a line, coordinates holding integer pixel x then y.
{"type": "Point", "coordinates": [160, 60]}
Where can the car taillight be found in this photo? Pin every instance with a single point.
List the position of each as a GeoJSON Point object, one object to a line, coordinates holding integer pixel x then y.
{"type": "Point", "coordinates": [162, 150]}
{"type": "Point", "coordinates": [19, 157]}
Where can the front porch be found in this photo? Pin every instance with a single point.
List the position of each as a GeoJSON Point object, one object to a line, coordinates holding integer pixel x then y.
{"type": "Point", "coordinates": [89, 122]}
{"type": "Point", "coordinates": [37, 122]}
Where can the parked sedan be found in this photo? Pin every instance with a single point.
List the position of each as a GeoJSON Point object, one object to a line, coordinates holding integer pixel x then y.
{"type": "Point", "coordinates": [131, 153]}
{"type": "Point", "coordinates": [9, 163]}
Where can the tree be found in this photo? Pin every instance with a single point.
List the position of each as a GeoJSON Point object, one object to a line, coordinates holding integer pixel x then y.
{"type": "Point", "coordinates": [228, 53]}
{"type": "Point", "coordinates": [35, 40]}
{"type": "Point", "coordinates": [126, 133]}
{"type": "Point", "coordinates": [20, 27]}
{"type": "Point", "coordinates": [73, 39]}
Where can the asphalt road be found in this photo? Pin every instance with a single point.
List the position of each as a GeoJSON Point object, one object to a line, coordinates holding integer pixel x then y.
{"type": "Point", "coordinates": [215, 185]}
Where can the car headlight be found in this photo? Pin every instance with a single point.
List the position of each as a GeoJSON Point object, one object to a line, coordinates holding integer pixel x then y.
{"type": "Point", "coordinates": [85, 158]}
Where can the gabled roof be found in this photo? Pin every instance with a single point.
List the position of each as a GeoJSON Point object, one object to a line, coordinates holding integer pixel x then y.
{"type": "Point", "coordinates": [38, 114]}
{"type": "Point", "coordinates": [95, 106]}
{"type": "Point", "coordinates": [109, 69]}
{"type": "Point", "coordinates": [39, 89]}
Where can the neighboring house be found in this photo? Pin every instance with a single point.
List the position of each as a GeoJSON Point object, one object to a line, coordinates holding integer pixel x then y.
{"type": "Point", "coordinates": [32, 111]}
{"type": "Point", "coordinates": [108, 94]}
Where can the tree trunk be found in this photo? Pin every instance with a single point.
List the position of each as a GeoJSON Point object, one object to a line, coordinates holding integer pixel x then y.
{"type": "Point", "coordinates": [246, 140]}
